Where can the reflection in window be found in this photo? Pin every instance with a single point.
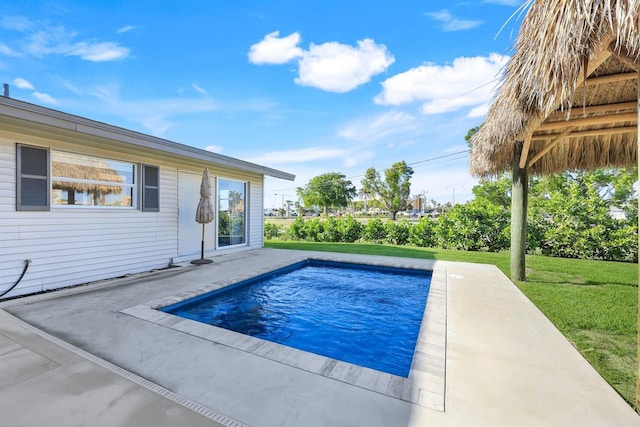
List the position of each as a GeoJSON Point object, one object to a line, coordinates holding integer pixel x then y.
{"type": "Point", "coordinates": [83, 180]}
{"type": "Point", "coordinates": [231, 212]}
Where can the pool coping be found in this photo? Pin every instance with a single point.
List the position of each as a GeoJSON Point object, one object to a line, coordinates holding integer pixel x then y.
{"type": "Point", "coordinates": [425, 385]}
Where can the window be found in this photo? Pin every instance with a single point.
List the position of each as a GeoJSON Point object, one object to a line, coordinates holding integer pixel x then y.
{"type": "Point", "coordinates": [60, 178]}
{"type": "Point", "coordinates": [150, 188]}
{"type": "Point", "coordinates": [32, 178]}
{"type": "Point", "coordinates": [83, 180]}
{"type": "Point", "coordinates": [231, 212]}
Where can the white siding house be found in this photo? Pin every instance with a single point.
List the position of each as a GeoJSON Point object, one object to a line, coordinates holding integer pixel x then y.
{"type": "Point", "coordinates": [85, 201]}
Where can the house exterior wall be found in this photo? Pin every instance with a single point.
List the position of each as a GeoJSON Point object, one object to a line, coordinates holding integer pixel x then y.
{"type": "Point", "coordinates": [75, 245]}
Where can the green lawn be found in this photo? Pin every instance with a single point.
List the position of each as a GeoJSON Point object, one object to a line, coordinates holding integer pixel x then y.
{"type": "Point", "coordinates": [593, 303]}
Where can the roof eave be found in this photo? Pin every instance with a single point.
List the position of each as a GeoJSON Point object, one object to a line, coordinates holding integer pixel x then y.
{"type": "Point", "coordinates": [46, 116]}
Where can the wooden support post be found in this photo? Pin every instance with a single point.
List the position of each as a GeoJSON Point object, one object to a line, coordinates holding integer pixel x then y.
{"type": "Point", "coordinates": [638, 142]}
{"type": "Point", "coordinates": [519, 196]}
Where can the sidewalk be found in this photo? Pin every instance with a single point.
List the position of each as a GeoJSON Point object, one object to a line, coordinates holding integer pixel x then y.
{"type": "Point", "coordinates": [44, 383]}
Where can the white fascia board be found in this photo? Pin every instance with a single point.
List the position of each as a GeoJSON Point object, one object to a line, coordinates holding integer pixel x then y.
{"type": "Point", "coordinates": [45, 116]}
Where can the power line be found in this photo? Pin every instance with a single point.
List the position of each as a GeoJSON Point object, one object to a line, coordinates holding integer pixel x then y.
{"type": "Point", "coordinates": [419, 162]}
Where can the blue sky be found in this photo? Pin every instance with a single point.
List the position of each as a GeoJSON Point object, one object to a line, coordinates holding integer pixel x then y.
{"type": "Point", "coordinates": [307, 87]}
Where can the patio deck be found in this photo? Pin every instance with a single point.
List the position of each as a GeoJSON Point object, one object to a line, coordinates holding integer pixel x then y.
{"type": "Point", "coordinates": [505, 362]}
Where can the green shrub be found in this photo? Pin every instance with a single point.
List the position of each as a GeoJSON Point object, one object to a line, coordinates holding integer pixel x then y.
{"type": "Point", "coordinates": [314, 230]}
{"type": "Point", "coordinates": [374, 231]}
{"type": "Point", "coordinates": [423, 233]}
{"type": "Point", "coordinates": [297, 230]}
{"type": "Point", "coordinates": [398, 232]}
{"type": "Point", "coordinates": [331, 230]}
{"type": "Point", "coordinates": [271, 231]}
{"type": "Point", "coordinates": [350, 229]}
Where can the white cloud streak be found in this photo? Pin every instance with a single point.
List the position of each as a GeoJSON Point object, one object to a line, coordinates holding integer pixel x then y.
{"type": "Point", "coordinates": [7, 51]}
{"type": "Point", "coordinates": [466, 83]}
{"type": "Point", "coordinates": [451, 23]}
{"type": "Point", "coordinates": [299, 156]}
{"type": "Point", "coordinates": [199, 89]}
{"type": "Point", "coordinates": [214, 148]}
{"type": "Point", "coordinates": [154, 114]}
{"type": "Point", "coordinates": [43, 39]}
{"type": "Point", "coordinates": [45, 98]}
{"type": "Point", "coordinates": [392, 123]}
{"type": "Point", "coordinates": [125, 29]}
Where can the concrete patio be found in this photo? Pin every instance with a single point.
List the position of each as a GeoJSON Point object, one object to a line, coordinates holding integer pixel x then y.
{"type": "Point", "coordinates": [82, 358]}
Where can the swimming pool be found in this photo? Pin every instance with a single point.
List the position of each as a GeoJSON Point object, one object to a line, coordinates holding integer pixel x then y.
{"type": "Point", "coordinates": [425, 385]}
{"type": "Point", "coordinates": [361, 314]}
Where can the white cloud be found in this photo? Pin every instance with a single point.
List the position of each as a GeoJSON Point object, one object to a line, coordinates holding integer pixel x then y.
{"type": "Point", "coordinates": [275, 50]}
{"type": "Point", "coordinates": [372, 129]}
{"type": "Point", "coordinates": [214, 148]}
{"type": "Point", "coordinates": [467, 82]}
{"type": "Point", "coordinates": [156, 115]}
{"type": "Point", "coordinates": [336, 67]}
{"type": "Point", "coordinates": [45, 98]}
{"type": "Point", "coordinates": [506, 2]}
{"type": "Point", "coordinates": [17, 23]}
{"type": "Point", "coordinates": [200, 90]}
{"type": "Point", "coordinates": [299, 156]}
{"type": "Point", "coordinates": [479, 111]}
{"type": "Point", "coordinates": [97, 52]}
{"type": "Point", "coordinates": [451, 23]}
{"type": "Point", "coordinates": [44, 39]}
{"type": "Point", "coordinates": [125, 29]}
{"type": "Point", "coordinates": [7, 51]}
{"type": "Point", "coordinates": [22, 83]}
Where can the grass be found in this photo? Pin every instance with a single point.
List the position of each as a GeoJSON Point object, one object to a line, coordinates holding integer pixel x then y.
{"type": "Point", "coordinates": [593, 303]}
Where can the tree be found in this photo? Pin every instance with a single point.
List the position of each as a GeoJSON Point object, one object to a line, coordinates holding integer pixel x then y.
{"type": "Point", "coordinates": [470, 134]}
{"type": "Point", "coordinates": [497, 192]}
{"type": "Point", "coordinates": [326, 191]}
{"type": "Point", "coordinates": [570, 215]}
{"type": "Point", "coordinates": [394, 191]}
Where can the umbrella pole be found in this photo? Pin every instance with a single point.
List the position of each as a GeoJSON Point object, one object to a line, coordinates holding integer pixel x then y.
{"type": "Point", "coordinates": [202, 260]}
{"type": "Point", "coordinates": [202, 244]}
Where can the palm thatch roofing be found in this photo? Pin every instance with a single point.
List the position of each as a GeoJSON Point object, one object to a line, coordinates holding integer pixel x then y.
{"type": "Point", "coordinates": [85, 168]}
{"type": "Point", "coordinates": [569, 92]}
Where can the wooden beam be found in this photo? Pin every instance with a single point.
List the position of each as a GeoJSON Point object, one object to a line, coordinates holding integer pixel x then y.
{"type": "Point", "coordinates": [550, 145]}
{"type": "Point", "coordinates": [592, 109]}
{"type": "Point", "coordinates": [623, 55]}
{"type": "Point", "coordinates": [525, 152]}
{"type": "Point", "coordinates": [590, 121]}
{"type": "Point", "coordinates": [638, 157]}
{"type": "Point", "coordinates": [611, 78]}
{"type": "Point", "coordinates": [600, 55]}
{"type": "Point", "coordinates": [591, 132]}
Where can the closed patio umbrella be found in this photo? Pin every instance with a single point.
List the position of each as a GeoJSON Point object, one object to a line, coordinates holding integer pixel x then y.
{"type": "Point", "coordinates": [204, 213]}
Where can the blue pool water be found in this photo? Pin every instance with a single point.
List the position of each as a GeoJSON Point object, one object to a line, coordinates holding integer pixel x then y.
{"type": "Point", "coordinates": [365, 315]}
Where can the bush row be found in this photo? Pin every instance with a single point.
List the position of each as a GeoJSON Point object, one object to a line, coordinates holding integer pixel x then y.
{"type": "Point", "coordinates": [475, 227]}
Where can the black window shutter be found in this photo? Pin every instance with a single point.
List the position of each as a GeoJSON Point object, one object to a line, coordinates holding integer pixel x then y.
{"type": "Point", "coordinates": [150, 188]}
{"type": "Point", "coordinates": [32, 178]}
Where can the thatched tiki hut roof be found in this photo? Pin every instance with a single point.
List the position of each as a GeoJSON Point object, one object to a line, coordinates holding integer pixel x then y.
{"type": "Point", "coordinates": [569, 92]}
{"type": "Point", "coordinates": [86, 168]}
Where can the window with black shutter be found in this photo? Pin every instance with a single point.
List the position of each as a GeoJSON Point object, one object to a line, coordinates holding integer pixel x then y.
{"type": "Point", "coordinates": [150, 188]}
{"type": "Point", "coordinates": [32, 178]}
